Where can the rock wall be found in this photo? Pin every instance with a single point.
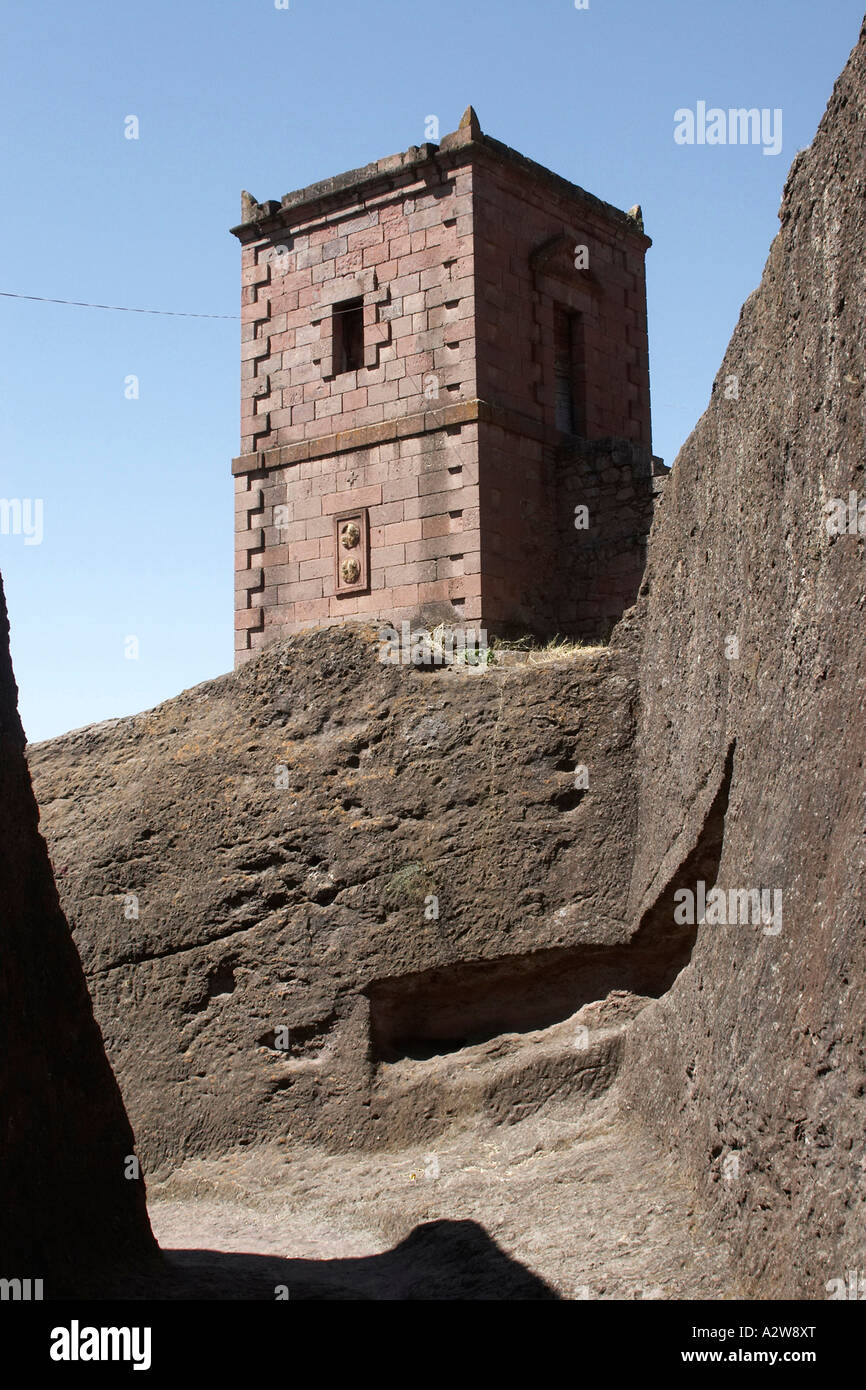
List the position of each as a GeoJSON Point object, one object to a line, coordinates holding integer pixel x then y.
{"type": "Point", "coordinates": [300, 889]}
{"type": "Point", "coordinates": [752, 1067]}
{"type": "Point", "coordinates": [68, 1215]}
{"type": "Point", "coordinates": [295, 886]}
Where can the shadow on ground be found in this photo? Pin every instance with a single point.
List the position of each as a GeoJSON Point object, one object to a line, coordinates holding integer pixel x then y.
{"type": "Point", "coordinates": [439, 1260]}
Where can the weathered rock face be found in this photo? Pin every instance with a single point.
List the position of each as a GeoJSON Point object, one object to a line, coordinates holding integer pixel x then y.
{"type": "Point", "coordinates": [68, 1215]}
{"type": "Point", "coordinates": [753, 1065]}
{"type": "Point", "coordinates": [341, 871]}
{"type": "Point", "coordinates": [298, 891]}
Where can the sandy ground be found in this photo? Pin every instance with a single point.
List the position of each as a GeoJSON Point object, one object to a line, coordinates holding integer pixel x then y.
{"type": "Point", "coordinates": [571, 1202]}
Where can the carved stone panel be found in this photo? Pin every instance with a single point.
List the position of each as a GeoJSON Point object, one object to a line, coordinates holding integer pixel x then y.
{"type": "Point", "coordinates": [352, 552]}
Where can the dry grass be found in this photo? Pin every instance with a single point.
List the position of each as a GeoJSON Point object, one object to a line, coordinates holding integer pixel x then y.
{"type": "Point", "coordinates": [561, 649]}
{"type": "Point", "coordinates": [445, 652]}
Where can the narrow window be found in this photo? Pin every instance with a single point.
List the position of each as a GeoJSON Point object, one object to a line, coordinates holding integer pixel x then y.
{"type": "Point", "coordinates": [348, 336]}
{"type": "Point", "coordinates": [568, 371]}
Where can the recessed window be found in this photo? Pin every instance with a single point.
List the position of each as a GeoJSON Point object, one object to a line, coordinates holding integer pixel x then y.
{"type": "Point", "coordinates": [569, 371]}
{"type": "Point", "coordinates": [348, 335]}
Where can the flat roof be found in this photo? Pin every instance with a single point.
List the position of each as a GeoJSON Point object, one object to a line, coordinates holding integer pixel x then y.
{"type": "Point", "coordinates": [465, 144]}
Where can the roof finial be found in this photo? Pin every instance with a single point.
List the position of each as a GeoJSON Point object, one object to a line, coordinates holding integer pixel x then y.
{"type": "Point", "coordinates": [469, 121]}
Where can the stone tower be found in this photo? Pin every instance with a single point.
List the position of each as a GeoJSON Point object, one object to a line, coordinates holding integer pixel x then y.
{"type": "Point", "coordinates": [445, 399]}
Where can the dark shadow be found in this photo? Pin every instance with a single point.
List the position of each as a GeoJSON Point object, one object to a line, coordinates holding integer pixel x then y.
{"type": "Point", "coordinates": [657, 926]}
{"type": "Point", "coordinates": [433, 1012]}
{"type": "Point", "coordinates": [439, 1260]}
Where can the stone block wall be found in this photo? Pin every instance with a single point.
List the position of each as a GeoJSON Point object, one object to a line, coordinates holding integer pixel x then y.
{"type": "Point", "coordinates": [400, 378]}
{"type": "Point", "coordinates": [401, 242]}
{"type": "Point", "coordinates": [548, 569]}
{"type": "Point", "coordinates": [420, 495]}
{"type": "Point", "coordinates": [530, 235]}
{"type": "Point", "coordinates": [602, 562]}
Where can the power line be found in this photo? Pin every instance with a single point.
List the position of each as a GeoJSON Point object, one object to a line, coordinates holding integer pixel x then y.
{"type": "Point", "coordinates": [118, 308]}
{"type": "Point", "coordinates": [125, 309]}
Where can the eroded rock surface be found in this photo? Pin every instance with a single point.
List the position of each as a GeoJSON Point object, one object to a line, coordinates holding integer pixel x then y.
{"type": "Point", "coordinates": [357, 909]}
{"type": "Point", "coordinates": [752, 1067]}
{"type": "Point", "coordinates": [295, 884]}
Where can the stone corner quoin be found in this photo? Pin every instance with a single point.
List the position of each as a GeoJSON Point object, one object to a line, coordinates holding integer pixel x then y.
{"type": "Point", "coordinates": [445, 352]}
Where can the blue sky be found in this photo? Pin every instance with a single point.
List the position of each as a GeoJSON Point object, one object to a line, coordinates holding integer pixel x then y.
{"type": "Point", "coordinates": [231, 94]}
